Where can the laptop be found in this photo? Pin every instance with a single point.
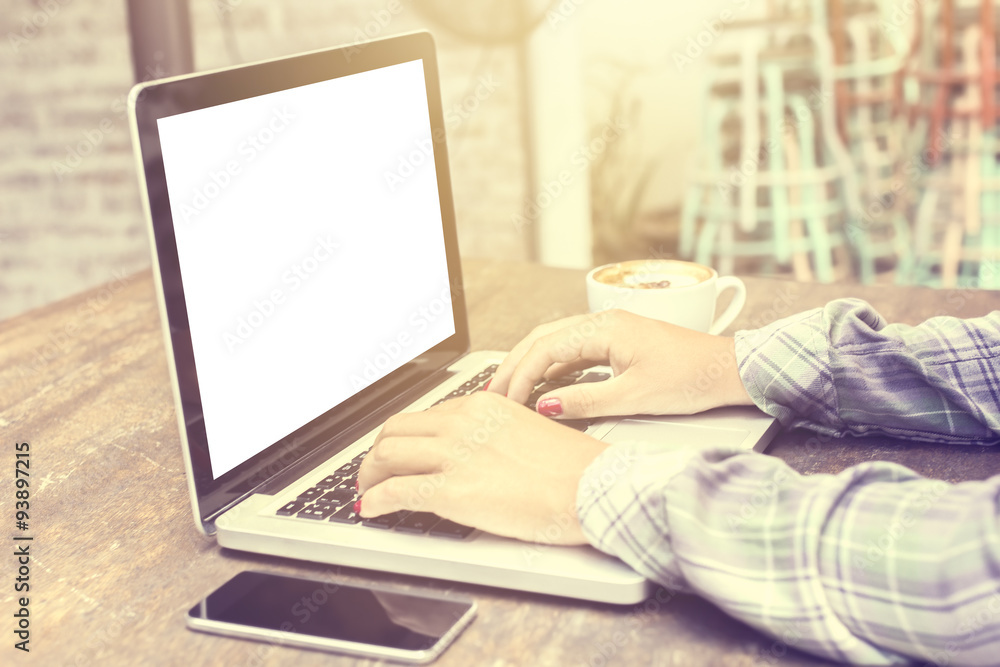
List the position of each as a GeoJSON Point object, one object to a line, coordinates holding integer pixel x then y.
{"type": "Point", "coordinates": [307, 270]}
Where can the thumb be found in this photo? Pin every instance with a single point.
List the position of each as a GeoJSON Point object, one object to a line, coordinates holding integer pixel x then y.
{"type": "Point", "coordinates": [593, 399]}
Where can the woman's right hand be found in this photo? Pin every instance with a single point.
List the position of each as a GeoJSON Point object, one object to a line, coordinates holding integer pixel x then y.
{"type": "Point", "coordinates": [659, 368]}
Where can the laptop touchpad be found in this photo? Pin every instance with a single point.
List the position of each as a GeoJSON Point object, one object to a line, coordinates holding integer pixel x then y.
{"type": "Point", "coordinates": [674, 435]}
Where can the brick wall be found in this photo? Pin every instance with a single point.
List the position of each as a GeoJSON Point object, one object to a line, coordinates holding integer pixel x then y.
{"type": "Point", "coordinates": [69, 206]}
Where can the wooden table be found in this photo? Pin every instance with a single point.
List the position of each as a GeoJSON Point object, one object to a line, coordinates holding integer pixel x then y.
{"type": "Point", "coordinates": [117, 559]}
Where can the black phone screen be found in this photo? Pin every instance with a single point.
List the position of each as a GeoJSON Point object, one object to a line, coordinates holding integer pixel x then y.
{"type": "Point", "coordinates": [330, 610]}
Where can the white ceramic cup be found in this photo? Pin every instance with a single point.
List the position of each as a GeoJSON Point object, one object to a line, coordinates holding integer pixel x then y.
{"type": "Point", "coordinates": [682, 293]}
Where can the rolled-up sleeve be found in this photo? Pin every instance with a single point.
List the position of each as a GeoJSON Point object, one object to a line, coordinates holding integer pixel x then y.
{"type": "Point", "coordinates": [842, 370]}
{"type": "Point", "coordinates": [875, 565]}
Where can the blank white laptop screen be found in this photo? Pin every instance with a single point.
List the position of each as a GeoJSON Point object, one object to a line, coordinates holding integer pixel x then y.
{"type": "Point", "coordinates": [311, 249]}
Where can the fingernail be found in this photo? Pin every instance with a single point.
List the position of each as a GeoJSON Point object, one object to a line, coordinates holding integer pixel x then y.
{"type": "Point", "coordinates": [550, 407]}
{"type": "Point", "coordinates": [357, 507]}
{"type": "Point", "coordinates": [487, 385]}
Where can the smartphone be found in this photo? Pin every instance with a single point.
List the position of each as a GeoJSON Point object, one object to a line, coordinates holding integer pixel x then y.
{"type": "Point", "coordinates": [367, 621]}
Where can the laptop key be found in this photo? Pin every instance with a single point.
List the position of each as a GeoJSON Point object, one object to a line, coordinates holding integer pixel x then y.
{"type": "Point", "coordinates": [532, 401]}
{"type": "Point", "coordinates": [418, 522]}
{"type": "Point", "coordinates": [290, 508]}
{"type": "Point", "coordinates": [310, 494]}
{"type": "Point", "coordinates": [338, 496]}
{"type": "Point", "coordinates": [318, 512]}
{"type": "Point", "coordinates": [327, 508]}
{"type": "Point", "coordinates": [385, 521]}
{"type": "Point", "coordinates": [446, 528]}
{"type": "Point", "coordinates": [329, 482]}
{"type": "Point", "coordinates": [345, 515]}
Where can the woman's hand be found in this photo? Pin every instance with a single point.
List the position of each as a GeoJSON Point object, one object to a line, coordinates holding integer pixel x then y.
{"type": "Point", "coordinates": [659, 368]}
{"type": "Point", "coordinates": [483, 461]}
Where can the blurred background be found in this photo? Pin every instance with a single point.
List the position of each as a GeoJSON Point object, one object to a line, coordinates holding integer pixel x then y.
{"type": "Point", "coordinates": [828, 140]}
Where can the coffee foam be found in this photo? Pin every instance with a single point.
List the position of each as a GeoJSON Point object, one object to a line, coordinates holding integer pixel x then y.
{"type": "Point", "coordinates": [653, 274]}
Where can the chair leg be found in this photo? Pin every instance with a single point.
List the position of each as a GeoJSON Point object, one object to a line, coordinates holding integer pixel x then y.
{"type": "Point", "coordinates": [903, 242]}
{"type": "Point", "coordinates": [707, 238]}
{"type": "Point", "coordinates": [699, 197]}
{"type": "Point", "coordinates": [775, 106]}
{"type": "Point", "coordinates": [924, 235]}
{"type": "Point", "coordinates": [989, 263]}
{"type": "Point", "coordinates": [750, 135]}
{"type": "Point", "coordinates": [817, 225]}
{"type": "Point", "coordinates": [800, 260]}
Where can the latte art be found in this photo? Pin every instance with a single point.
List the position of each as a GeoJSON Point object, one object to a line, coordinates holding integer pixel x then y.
{"type": "Point", "coordinates": [647, 275]}
{"type": "Point", "coordinates": [657, 281]}
{"type": "Point", "coordinates": [659, 284]}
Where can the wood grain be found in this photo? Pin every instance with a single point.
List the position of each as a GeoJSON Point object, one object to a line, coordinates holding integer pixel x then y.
{"type": "Point", "coordinates": [117, 558]}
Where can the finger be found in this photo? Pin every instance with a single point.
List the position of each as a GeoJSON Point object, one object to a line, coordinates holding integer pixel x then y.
{"type": "Point", "coordinates": [439, 418]}
{"type": "Point", "coordinates": [395, 456]}
{"type": "Point", "coordinates": [593, 399]}
{"type": "Point", "coordinates": [436, 411]}
{"type": "Point", "coordinates": [559, 370]}
{"type": "Point", "coordinates": [407, 424]}
{"type": "Point", "coordinates": [419, 493]}
{"type": "Point", "coordinates": [501, 378]}
{"type": "Point", "coordinates": [585, 342]}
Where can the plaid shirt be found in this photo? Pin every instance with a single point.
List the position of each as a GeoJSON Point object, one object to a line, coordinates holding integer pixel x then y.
{"type": "Point", "coordinates": [875, 565]}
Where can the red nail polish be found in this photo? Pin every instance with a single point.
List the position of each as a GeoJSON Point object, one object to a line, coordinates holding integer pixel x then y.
{"type": "Point", "coordinates": [487, 385]}
{"type": "Point", "coordinates": [550, 407]}
{"type": "Point", "coordinates": [357, 507]}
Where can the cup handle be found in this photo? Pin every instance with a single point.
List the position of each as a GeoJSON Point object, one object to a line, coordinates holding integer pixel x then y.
{"type": "Point", "coordinates": [735, 306]}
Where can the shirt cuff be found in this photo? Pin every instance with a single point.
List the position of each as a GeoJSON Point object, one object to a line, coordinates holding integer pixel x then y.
{"type": "Point", "coordinates": [784, 367]}
{"type": "Point", "coordinates": [622, 509]}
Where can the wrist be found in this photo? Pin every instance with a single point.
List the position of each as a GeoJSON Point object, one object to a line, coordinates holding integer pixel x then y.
{"type": "Point", "coordinates": [741, 395]}
{"type": "Point", "coordinates": [729, 387]}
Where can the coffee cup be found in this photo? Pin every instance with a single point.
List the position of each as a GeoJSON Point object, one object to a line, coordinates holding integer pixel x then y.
{"type": "Point", "coordinates": [681, 293]}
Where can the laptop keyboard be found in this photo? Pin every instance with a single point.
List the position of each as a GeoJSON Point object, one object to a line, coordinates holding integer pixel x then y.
{"type": "Point", "coordinates": [333, 497]}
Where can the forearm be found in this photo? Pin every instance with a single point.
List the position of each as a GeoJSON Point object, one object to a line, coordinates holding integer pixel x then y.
{"type": "Point", "coordinates": [841, 369]}
{"type": "Point", "coordinates": [867, 566]}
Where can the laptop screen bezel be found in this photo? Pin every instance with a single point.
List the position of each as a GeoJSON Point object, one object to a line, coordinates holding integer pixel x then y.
{"type": "Point", "coordinates": [158, 99]}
